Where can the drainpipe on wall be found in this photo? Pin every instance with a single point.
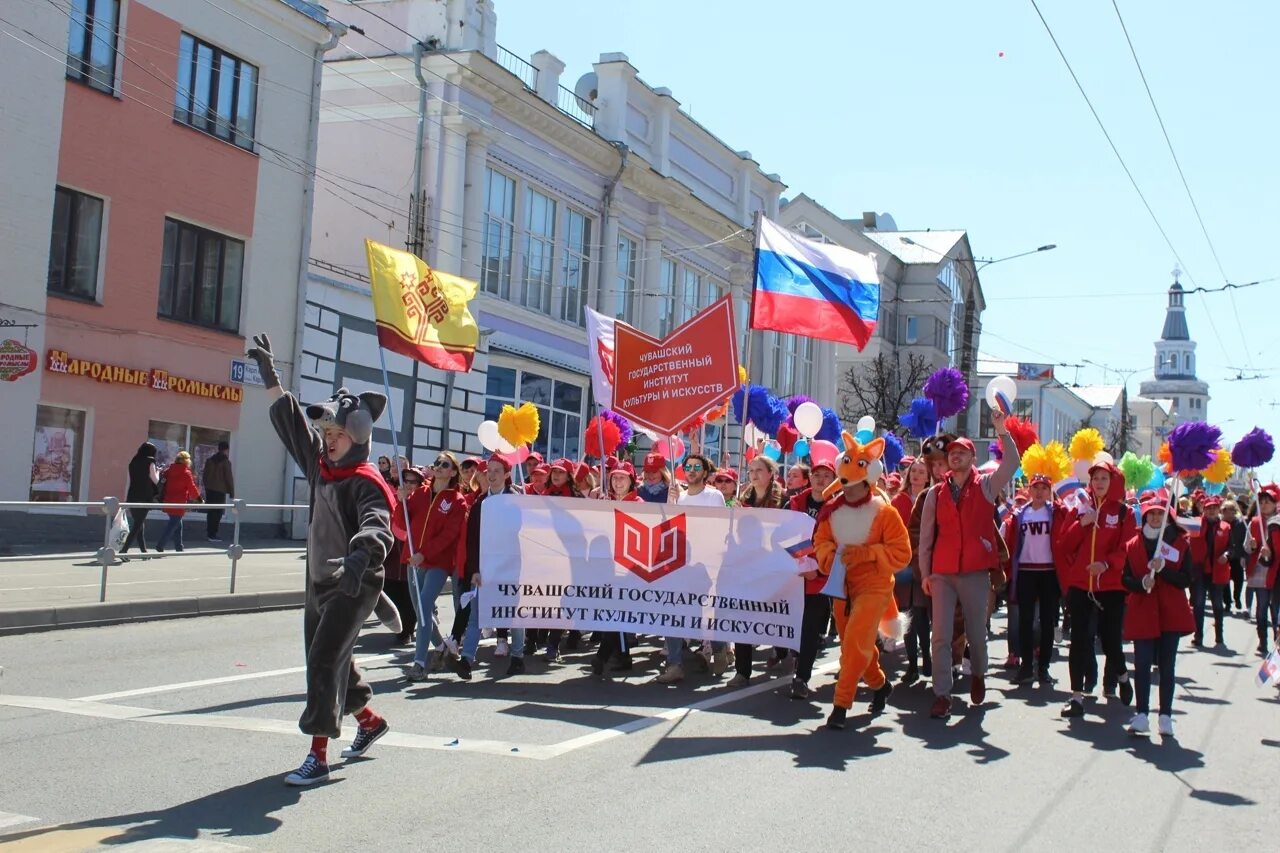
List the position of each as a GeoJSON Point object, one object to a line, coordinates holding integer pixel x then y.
{"type": "Point", "coordinates": [336, 31]}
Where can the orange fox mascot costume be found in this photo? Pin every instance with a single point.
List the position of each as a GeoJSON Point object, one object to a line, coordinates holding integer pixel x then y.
{"type": "Point", "coordinates": [865, 533]}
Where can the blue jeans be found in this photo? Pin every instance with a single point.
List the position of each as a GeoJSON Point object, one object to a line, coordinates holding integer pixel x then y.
{"type": "Point", "coordinates": [1164, 651]}
{"type": "Point", "coordinates": [471, 642]}
{"type": "Point", "coordinates": [429, 584]}
{"type": "Point", "coordinates": [172, 528]}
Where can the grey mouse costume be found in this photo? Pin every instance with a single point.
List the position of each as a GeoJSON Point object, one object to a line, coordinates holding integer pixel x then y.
{"type": "Point", "coordinates": [348, 538]}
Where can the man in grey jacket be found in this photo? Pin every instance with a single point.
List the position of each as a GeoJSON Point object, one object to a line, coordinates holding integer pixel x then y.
{"type": "Point", "coordinates": [219, 485]}
{"type": "Point", "coordinates": [348, 538]}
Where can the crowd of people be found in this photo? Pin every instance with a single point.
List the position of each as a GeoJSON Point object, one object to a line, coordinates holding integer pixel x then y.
{"type": "Point", "coordinates": [1101, 572]}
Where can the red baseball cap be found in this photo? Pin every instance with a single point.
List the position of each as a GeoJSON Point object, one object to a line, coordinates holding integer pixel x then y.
{"type": "Point", "coordinates": [541, 468]}
{"type": "Point", "coordinates": [495, 459]}
{"type": "Point", "coordinates": [581, 472]}
{"type": "Point", "coordinates": [1153, 503]}
{"type": "Point", "coordinates": [536, 458]}
{"type": "Point", "coordinates": [1272, 491]}
{"type": "Point", "coordinates": [654, 462]}
{"type": "Point", "coordinates": [563, 465]}
{"type": "Point", "coordinates": [623, 468]}
{"type": "Point", "coordinates": [473, 460]}
{"type": "Point", "coordinates": [962, 444]}
{"type": "Point", "coordinates": [1211, 500]}
{"type": "Point", "coordinates": [907, 461]}
{"type": "Point", "coordinates": [725, 474]}
{"type": "Point", "coordinates": [824, 463]}
{"type": "Point", "coordinates": [1040, 478]}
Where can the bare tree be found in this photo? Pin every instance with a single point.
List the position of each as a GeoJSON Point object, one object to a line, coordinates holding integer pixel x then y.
{"type": "Point", "coordinates": [882, 387]}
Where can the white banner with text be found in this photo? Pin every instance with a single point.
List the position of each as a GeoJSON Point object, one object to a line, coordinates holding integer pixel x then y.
{"type": "Point", "coordinates": [664, 569]}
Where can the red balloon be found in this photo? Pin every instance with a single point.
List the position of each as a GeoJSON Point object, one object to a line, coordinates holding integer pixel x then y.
{"type": "Point", "coordinates": [519, 456]}
{"type": "Point", "coordinates": [787, 437]}
{"type": "Point", "coordinates": [664, 448]}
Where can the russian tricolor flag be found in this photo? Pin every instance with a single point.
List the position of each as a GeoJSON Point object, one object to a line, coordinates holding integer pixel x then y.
{"type": "Point", "coordinates": [815, 290]}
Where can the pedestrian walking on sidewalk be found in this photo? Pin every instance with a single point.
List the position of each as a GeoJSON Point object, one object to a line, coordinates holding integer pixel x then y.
{"type": "Point", "coordinates": [219, 487]}
{"type": "Point", "coordinates": [179, 488]}
{"type": "Point", "coordinates": [143, 488]}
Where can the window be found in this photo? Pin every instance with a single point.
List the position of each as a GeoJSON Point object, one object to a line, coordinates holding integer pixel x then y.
{"type": "Point", "coordinates": [1024, 409]}
{"type": "Point", "coordinates": [200, 442]}
{"type": "Point", "coordinates": [91, 43]}
{"type": "Point", "coordinates": [666, 298]}
{"type": "Point", "coordinates": [804, 365]}
{"type": "Point", "coordinates": [499, 228]}
{"type": "Point", "coordinates": [539, 250]}
{"type": "Point", "coordinates": [216, 92]}
{"type": "Point", "coordinates": [912, 333]}
{"type": "Point", "coordinates": [200, 277]}
{"type": "Point", "coordinates": [626, 297]}
{"type": "Point", "coordinates": [75, 243]}
{"type": "Point", "coordinates": [1175, 402]}
{"type": "Point", "coordinates": [888, 325]}
{"type": "Point", "coordinates": [577, 266]}
{"type": "Point", "coordinates": [58, 455]}
{"type": "Point", "coordinates": [688, 296]}
{"type": "Point", "coordinates": [559, 406]}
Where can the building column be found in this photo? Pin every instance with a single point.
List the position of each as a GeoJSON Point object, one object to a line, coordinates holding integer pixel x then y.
{"type": "Point", "coordinates": [452, 197]}
{"type": "Point", "coordinates": [473, 204]}
{"type": "Point", "coordinates": [602, 285]}
{"type": "Point", "coordinates": [651, 282]}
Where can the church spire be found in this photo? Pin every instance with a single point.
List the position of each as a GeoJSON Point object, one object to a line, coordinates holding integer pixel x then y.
{"type": "Point", "coordinates": [1175, 318]}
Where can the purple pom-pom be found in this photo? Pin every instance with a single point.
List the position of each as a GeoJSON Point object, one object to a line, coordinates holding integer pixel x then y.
{"type": "Point", "coordinates": [624, 426]}
{"type": "Point", "coordinates": [793, 403]}
{"type": "Point", "coordinates": [948, 390]}
{"type": "Point", "coordinates": [764, 410]}
{"type": "Point", "coordinates": [995, 451]}
{"type": "Point", "coordinates": [830, 428]}
{"type": "Point", "coordinates": [922, 420]}
{"type": "Point", "coordinates": [1192, 445]}
{"type": "Point", "coordinates": [1254, 450]}
{"type": "Point", "coordinates": [893, 451]}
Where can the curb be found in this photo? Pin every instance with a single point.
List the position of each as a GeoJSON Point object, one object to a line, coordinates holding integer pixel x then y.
{"type": "Point", "coordinates": [35, 619]}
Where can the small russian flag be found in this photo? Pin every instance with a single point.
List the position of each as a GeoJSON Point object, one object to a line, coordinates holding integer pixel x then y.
{"type": "Point", "coordinates": [801, 549]}
{"type": "Point", "coordinates": [1269, 672]}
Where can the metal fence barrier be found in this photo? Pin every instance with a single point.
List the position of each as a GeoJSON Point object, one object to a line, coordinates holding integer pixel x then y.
{"type": "Point", "coordinates": [106, 555]}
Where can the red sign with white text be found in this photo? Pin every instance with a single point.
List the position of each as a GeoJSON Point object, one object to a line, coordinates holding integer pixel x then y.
{"type": "Point", "coordinates": [662, 384]}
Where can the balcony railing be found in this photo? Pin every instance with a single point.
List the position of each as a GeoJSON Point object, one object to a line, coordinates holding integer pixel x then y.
{"type": "Point", "coordinates": [527, 73]}
{"type": "Point", "coordinates": [567, 102]}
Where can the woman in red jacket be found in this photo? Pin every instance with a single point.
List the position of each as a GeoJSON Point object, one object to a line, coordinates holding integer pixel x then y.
{"type": "Point", "coordinates": [437, 519]}
{"type": "Point", "coordinates": [622, 487]}
{"type": "Point", "coordinates": [179, 487]}
{"type": "Point", "coordinates": [817, 607]}
{"type": "Point", "coordinates": [1093, 544]}
{"type": "Point", "coordinates": [559, 485]}
{"type": "Point", "coordinates": [906, 588]}
{"type": "Point", "coordinates": [1262, 545]}
{"type": "Point", "coordinates": [1157, 575]}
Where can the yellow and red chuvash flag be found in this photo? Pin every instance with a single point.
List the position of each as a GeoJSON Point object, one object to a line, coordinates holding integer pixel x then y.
{"type": "Point", "coordinates": [421, 312]}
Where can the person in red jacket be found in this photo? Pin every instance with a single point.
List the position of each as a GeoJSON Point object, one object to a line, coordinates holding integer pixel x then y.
{"type": "Point", "coordinates": [613, 647]}
{"type": "Point", "coordinates": [1032, 534]}
{"type": "Point", "coordinates": [907, 589]}
{"type": "Point", "coordinates": [817, 607]}
{"type": "Point", "coordinates": [1262, 547]}
{"type": "Point", "coordinates": [437, 519]}
{"type": "Point", "coordinates": [1093, 544]}
{"type": "Point", "coordinates": [958, 551]}
{"type": "Point", "coordinates": [1156, 575]}
{"type": "Point", "coordinates": [560, 484]}
{"type": "Point", "coordinates": [1210, 554]}
{"type": "Point", "coordinates": [179, 488]}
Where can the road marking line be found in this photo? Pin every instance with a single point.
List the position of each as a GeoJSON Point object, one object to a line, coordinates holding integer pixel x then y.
{"type": "Point", "coordinates": [8, 819]}
{"type": "Point", "coordinates": [673, 714]}
{"type": "Point", "coordinates": [409, 740]}
{"type": "Point", "coordinates": [226, 679]}
{"type": "Point", "coordinates": [222, 579]}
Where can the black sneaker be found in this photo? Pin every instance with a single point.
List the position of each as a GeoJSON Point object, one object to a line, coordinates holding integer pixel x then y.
{"type": "Point", "coordinates": [1109, 691]}
{"type": "Point", "coordinates": [837, 718]}
{"type": "Point", "coordinates": [462, 668]}
{"type": "Point", "coordinates": [800, 689]}
{"type": "Point", "coordinates": [880, 698]}
{"type": "Point", "coordinates": [364, 739]}
{"type": "Point", "coordinates": [1025, 675]}
{"type": "Point", "coordinates": [1126, 692]}
{"type": "Point", "coordinates": [911, 676]}
{"type": "Point", "coordinates": [530, 647]}
{"type": "Point", "coordinates": [312, 771]}
{"type": "Point", "coordinates": [1074, 708]}
{"type": "Point", "coordinates": [597, 666]}
{"type": "Point", "coordinates": [516, 667]}
{"type": "Point", "coordinates": [621, 663]}
{"type": "Point", "coordinates": [1044, 677]}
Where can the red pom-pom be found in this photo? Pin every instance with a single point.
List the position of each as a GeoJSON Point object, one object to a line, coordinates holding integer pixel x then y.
{"type": "Point", "coordinates": [788, 435]}
{"type": "Point", "coordinates": [1023, 433]}
{"type": "Point", "coordinates": [591, 437]}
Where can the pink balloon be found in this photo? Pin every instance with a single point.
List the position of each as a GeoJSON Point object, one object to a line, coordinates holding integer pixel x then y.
{"type": "Point", "coordinates": [823, 451]}
{"type": "Point", "coordinates": [663, 448]}
{"type": "Point", "coordinates": [517, 457]}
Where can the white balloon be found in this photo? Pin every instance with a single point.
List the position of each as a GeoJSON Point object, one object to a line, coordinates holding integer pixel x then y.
{"type": "Point", "coordinates": [1001, 385]}
{"type": "Point", "coordinates": [1081, 470]}
{"type": "Point", "coordinates": [487, 432]}
{"type": "Point", "coordinates": [750, 434]}
{"type": "Point", "coordinates": [866, 423]}
{"type": "Point", "coordinates": [808, 419]}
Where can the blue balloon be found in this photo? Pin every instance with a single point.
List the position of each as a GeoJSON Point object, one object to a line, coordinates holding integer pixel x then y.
{"type": "Point", "coordinates": [802, 447]}
{"type": "Point", "coordinates": [773, 451]}
{"type": "Point", "coordinates": [864, 436]}
{"type": "Point", "coordinates": [1157, 481]}
{"type": "Point", "coordinates": [1214, 488]}
{"type": "Point", "coordinates": [1018, 475]}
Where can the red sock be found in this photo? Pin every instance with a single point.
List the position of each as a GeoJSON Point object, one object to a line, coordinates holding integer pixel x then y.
{"type": "Point", "coordinates": [367, 719]}
{"type": "Point", "coordinates": [320, 749]}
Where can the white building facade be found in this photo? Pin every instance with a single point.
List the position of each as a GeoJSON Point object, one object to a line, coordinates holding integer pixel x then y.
{"type": "Point", "coordinates": [612, 198]}
{"type": "Point", "coordinates": [1175, 364]}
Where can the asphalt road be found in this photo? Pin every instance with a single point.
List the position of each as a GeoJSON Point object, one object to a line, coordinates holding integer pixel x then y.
{"type": "Point", "coordinates": [182, 730]}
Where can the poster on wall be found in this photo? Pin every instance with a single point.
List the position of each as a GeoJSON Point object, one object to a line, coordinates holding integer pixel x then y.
{"type": "Point", "coordinates": [53, 460]}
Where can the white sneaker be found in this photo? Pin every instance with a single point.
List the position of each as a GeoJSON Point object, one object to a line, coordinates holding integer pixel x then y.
{"type": "Point", "coordinates": [1165, 725]}
{"type": "Point", "coordinates": [503, 650]}
{"type": "Point", "coordinates": [1140, 724]}
{"type": "Point", "coordinates": [720, 662]}
{"type": "Point", "coordinates": [451, 645]}
{"type": "Point", "coordinates": [486, 633]}
{"type": "Point", "coordinates": [672, 674]}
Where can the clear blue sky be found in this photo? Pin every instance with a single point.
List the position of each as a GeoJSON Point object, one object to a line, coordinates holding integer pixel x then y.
{"type": "Point", "coordinates": [909, 108]}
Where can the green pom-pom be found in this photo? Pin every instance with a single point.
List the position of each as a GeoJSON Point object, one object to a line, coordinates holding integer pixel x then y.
{"type": "Point", "coordinates": [1137, 470]}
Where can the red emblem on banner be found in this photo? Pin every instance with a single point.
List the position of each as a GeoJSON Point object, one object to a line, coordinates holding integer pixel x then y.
{"type": "Point", "coordinates": [649, 552]}
{"type": "Point", "coordinates": [663, 384]}
{"type": "Point", "coordinates": [16, 361]}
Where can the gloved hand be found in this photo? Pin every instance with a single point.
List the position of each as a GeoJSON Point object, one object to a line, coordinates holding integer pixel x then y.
{"type": "Point", "coordinates": [261, 353]}
{"type": "Point", "coordinates": [350, 570]}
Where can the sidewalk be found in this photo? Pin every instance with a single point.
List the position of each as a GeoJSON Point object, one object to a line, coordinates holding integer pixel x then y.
{"type": "Point", "coordinates": [61, 590]}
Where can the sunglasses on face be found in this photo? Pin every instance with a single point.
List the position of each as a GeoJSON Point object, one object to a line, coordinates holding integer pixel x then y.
{"type": "Point", "coordinates": [443, 463]}
{"type": "Point", "coordinates": [693, 466]}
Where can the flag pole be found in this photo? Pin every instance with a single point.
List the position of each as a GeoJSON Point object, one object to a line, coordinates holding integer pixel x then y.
{"type": "Point", "coordinates": [751, 317]}
{"type": "Point", "coordinates": [408, 528]}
